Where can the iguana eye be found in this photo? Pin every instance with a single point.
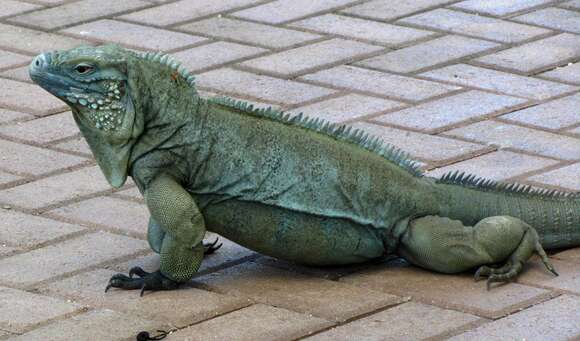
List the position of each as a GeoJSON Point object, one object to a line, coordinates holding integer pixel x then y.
{"type": "Point", "coordinates": [83, 69]}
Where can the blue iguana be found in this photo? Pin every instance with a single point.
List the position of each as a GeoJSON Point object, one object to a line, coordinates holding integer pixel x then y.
{"type": "Point", "coordinates": [287, 186]}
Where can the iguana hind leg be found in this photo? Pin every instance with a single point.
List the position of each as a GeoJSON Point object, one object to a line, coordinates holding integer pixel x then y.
{"type": "Point", "coordinates": [447, 246]}
{"type": "Point", "coordinates": [178, 222]}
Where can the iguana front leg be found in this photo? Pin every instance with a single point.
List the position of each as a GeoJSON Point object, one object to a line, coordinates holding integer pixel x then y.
{"type": "Point", "coordinates": [176, 231]}
{"type": "Point", "coordinates": [447, 246]}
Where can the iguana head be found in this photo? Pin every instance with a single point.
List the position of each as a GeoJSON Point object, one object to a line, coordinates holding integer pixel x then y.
{"type": "Point", "coordinates": [97, 83]}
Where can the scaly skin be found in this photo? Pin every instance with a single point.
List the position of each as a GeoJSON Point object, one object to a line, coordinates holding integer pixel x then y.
{"type": "Point", "coordinates": [292, 188]}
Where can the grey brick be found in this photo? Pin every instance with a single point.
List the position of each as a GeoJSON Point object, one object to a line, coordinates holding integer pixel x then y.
{"type": "Point", "coordinates": [76, 12]}
{"type": "Point", "coordinates": [18, 96]}
{"type": "Point", "coordinates": [348, 107]}
{"type": "Point", "coordinates": [555, 114]}
{"type": "Point", "coordinates": [21, 158]}
{"type": "Point", "coordinates": [566, 177]}
{"type": "Point", "coordinates": [21, 310]}
{"type": "Point", "coordinates": [428, 54]}
{"type": "Point", "coordinates": [530, 140]}
{"type": "Point", "coordinates": [7, 177]}
{"type": "Point", "coordinates": [536, 55]}
{"type": "Point", "coordinates": [280, 11]}
{"type": "Point", "coordinates": [452, 110]}
{"type": "Point", "coordinates": [498, 165]}
{"type": "Point", "coordinates": [13, 7]}
{"type": "Point", "coordinates": [426, 147]}
{"type": "Point", "coordinates": [69, 256]}
{"type": "Point", "coordinates": [93, 325]}
{"type": "Point", "coordinates": [302, 59]}
{"type": "Point", "coordinates": [10, 59]}
{"type": "Point", "coordinates": [507, 83]}
{"type": "Point", "coordinates": [574, 4]}
{"type": "Point", "coordinates": [362, 29]}
{"type": "Point", "coordinates": [78, 145]}
{"type": "Point", "coordinates": [569, 73]}
{"type": "Point", "coordinates": [32, 41]}
{"type": "Point", "coordinates": [9, 116]}
{"type": "Point", "coordinates": [215, 54]}
{"type": "Point", "coordinates": [23, 230]}
{"type": "Point", "coordinates": [261, 87]}
{"type": "Point", "coordinates": [555, 18]}
{"type": "Point", "coordinates": [249, 32]}
{"type": "Point", "coordinates": [57, 188]}
{"type": "Point", "coordinates": [17, 74]}
{"type": "Point", "coordinates": [380, 83]}
{"type": "Point", "coordinates": [499, 7]}
{"type": "Point", "coordinates": [183, 10]}
{"type": "Point", "coordinates": [43, 130]}
{"type": "Point", "coordinates": [392, 9]}
{"type": "Point", "coordinates": [409, 321]}
{"type": "Point", "coordinates": [556, 319]}
{"type": "Point", "coordinates": [474, 25]}
{"type": "Point", "coordinates": [132, 35]}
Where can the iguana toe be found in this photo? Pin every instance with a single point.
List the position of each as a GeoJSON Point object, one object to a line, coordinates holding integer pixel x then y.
{"type": "Point", "coordinates": [145, 281]}
{"type": "Point", "coordinates": [212, 247]}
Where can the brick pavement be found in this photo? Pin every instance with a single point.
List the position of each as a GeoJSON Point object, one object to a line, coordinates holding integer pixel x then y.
{"type": "Point", "coordinates": [491, 87]}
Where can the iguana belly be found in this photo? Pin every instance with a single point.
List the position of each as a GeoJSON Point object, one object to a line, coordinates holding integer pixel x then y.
{"type": "Point", "coordinates": [294, 236]}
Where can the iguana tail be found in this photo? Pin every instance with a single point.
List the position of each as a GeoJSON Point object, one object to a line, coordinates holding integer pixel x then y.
{"type": "Point", "coordinates": [555, 215]}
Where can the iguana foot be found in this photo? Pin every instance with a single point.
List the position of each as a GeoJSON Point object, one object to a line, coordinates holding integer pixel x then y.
{"type": "Point", "coordinates": [513, 266]}
{"type": "Point", "coordinates": [209, 248]}
{"type": "Point", "coordinates": [144, 281]}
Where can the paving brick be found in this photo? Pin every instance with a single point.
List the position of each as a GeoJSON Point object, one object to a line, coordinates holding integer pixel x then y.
{"type": "Point", "coordinates": [65, 257]}
{"type": "Point", "coordinates": [574, 4]}
{"type": "Point", "coordinates": [9, 116]}
{"type": "Point", "coordinates": [21, 310]}
{"type": "Point", "coordinates": [23, 230]}
{"type": "Point", "coordinates": [57, 188]}
{"type": "Point", "coordinates": [131, 35]}
{"type": "Point", "coordinates": [452, 110]}
{"type": "Point", "coordinates": [260, 87]}
{"type": "Point", "coordinates": [13, 7]}
{"type": "Point", "coordinates": [229, 253]}
{"type": "Point", "coordinates": [399, 87]}
{"type": "Point", "coordinates": [296, 292]}
{"type": "Point", "coordinates": [536, 55]}
{"type": "Point", "coordinates": [555, 114]}
{"type": "Point", "coordinates": [504, 82]}
{"type": "Point", "coordinates": [43, 130]}
{"type": "Point", "coordinates": [255, 323]}
{"type": "Point", "coordinates": [28, 98]}
{"type": "Point", "coordinates": [458, 292]}
{"type": "Point", "coordinates": [348, 107]}
{"type": "Point", "coordinates": [280, 11]}
{"type": "Point", "coordinates": [249, 32]}
{"type": "Point", "coordinates": [569, 73]}
{"type": "Point", "coordinates": [194, 304]}
{"type": "Point", "coordinates": [428, 54]}
{"type": "Point", "coordinates": [131, 193]}
{"type": "Point", "coordinates": [556, 319]}
{"type": "Point", "coordinates": [183, 10]}
{"type": "Point", "coordinates": [26, 159]}
{"type": "Point", "coordinates": [11, 59]}
{"type": "Point", "coordinates": [409, 321]}
{"type": "Point", "coordinates": [78, 145]}
{"type": "Point", "coordinates": [18, 74]}
{"type": "Point", "coordinates": [7, 177]}
{"type": "Point", "coordinates": [93, 325]}
{"type": "Point", "coordinates": [32, 41]}
{"type": "Point", "coordinates": [499, 8]}
{"type": "Point", "coordinates": [362, 29]}
{"type": "Point", "coordinates": [6, 250]}
{"type": "Point", "coordinates": [535, 274]}
{"type": "Point", "coordinates": [76, 12]}
{"type": "Point", "coordinates": [475, 25]}
{"type": "Point", "coordinates": [533, 141]}
{"type": "Point", "coordinates": [327, 272]}
{"type": "Point", "coordinates": [571, 255]}
{"type": "Point", "coordinates": [215, 54]}
{"type": "Point", "coordinates": [305, 58]}
{"type": "Point", "coordinates": [125, 216]}
{"type": "Point", "coordinates": [499, 165]}
{"type": "Point", "coordinates": [555, 18]}
{"type": "Point", "coordinates": [566, 177]}
{"type": "Point", "coordinates": [426, 147]}
{"type": "Point", "coordinates": [388, 10]}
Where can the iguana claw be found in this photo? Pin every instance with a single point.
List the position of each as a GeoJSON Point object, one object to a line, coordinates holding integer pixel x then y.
{"type": "Point", "coordinates": [210, 248]}
{"type": "Point", "coordinates": [145, 281]}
